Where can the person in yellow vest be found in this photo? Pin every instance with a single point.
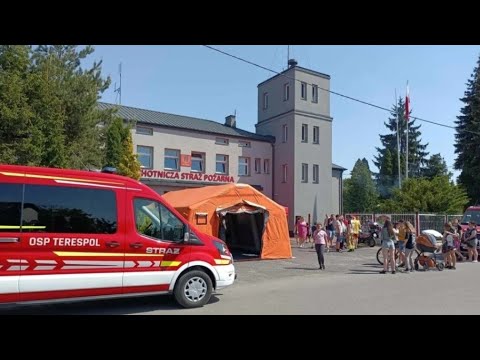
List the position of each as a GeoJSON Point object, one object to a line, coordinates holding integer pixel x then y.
{"type": "Point", "coordinates": [356, 226]}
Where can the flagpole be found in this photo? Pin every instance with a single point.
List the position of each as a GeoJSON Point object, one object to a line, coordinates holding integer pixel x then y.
{"type": "Point", "coordinates": [407, 110]}
{"type": "Point", "coordinates": [398, 144]}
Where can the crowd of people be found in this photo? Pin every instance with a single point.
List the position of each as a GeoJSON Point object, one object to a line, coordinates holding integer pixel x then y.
{"type": "Point", "coordinates": [344, 231]}
{"type": "Point", "coordinates": [399, 235]}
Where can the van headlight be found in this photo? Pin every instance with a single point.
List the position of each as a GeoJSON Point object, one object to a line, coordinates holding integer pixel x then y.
{"type": "Point", "coordinates": [222, 248]}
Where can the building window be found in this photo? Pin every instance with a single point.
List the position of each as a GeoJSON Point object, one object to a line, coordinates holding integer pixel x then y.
{"type": "Point", "coordinates": [171, 161]}
{"type": "Point", "coordinates": [145, 156]}
{"type": "Point", "coordinates": [221, 166]}
{"type": "Point", "coordinates": [286, 92]}
{"type": "Point", "coordinates": [258, 166]}
{"type": "Point", "coordinates": [244, 144]}
{"type": "Point", "coordinates": [198, 162]}
{"type": "Point", "coordinates": [266, 166]}
{"type": "Point", "coordinates": [304, 133]}
{"type": "Point", "coordinates": [243, 166]}
{"type": "Point", "coordinates": [316, 133]}
{"type": "Point", "coordinates": [221, 141]}
{"type": "Point", "coordinates": [315, 174]}
{"type": "Point", "coordinates": [304, 91]}
{"type": "Point", "coordinates": [284, 173]}
{"type": "Point", "coordinates": [315, 93]}
{"type": "Point", "coordinates": [143, 130]}
{"type": "Point", "coordinates": [285, 133]}
{"type": "Point", "coordinates": [304, 173]}
{"type": "Point", "coordinates": [265, 101]}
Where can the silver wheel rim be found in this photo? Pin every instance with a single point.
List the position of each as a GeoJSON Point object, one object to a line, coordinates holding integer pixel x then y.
{"type": "Point", "coordinates": [195, 289]}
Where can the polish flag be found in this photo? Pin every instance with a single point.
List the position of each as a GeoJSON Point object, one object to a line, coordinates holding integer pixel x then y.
{"type": "Point", "coordinates": [407, 105]}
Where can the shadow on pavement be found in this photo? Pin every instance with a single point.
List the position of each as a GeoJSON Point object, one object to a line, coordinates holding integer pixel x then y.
{"type": "Point", "coordinates": [301, 268]}
{"type": "Point", "coordinates": [102, 307]}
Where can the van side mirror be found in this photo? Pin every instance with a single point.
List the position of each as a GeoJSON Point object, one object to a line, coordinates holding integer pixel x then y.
{"type": "Point", "coordinates": [186, 235]}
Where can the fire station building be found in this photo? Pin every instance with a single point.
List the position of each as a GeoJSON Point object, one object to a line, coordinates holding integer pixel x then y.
{"type": "Point", "coordinates": [288, 158]}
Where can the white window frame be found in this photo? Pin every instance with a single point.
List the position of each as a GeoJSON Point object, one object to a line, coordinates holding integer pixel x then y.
{"type": "Point", "coordinates": [143, 153]}
{"type": "Point", "coordinates": [244, 143]}
{"type": "Point", "coordinates": [285, 133]}
{"type": "Point", "coordinates": [245, 164]}
{"type": "Point", "coordinates": [144, 130]}
{"type": "Point", "coordinates": [304, 133]}
{"type": "Point", "coordinates": [258, 166]}
{"type": "Point", "coordinates": [221, 141]}
{"type": "Point", "coordinates": [165, 156]}
{"type": "Point", "coordinates": [286, 92]}
{"type": "Point", "coordinates": [316, 135]}
{"type": "Point", "coordinates": [303, 90]}
{"type": "Point", "coordinates": [314, 93]}
{"type": "Point", "coordinates": [315, 174]}
{"type": "Point", "coordinates": [266, 166]}
{"type": "Point", "coordinates": [224, 161]}
{"type": "Point", "coordinates": [265, 100]}
{"type": "Point", "coordinates": [202, 160]}
{"type": "Point", "coordinates": [284, 173]}
{"type": "Point", "coordinates": [304, 173]}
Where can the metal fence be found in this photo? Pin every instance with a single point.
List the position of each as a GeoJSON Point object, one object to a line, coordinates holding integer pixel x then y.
{"type": "Point", "coordinates": [419, 221]}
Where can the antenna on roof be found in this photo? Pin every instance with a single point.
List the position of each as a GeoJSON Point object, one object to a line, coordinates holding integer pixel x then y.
{"type": "Point", "coordinates": [235, 113]}
{"type": "Point", "coordinates": [288, 55]}
{"type": "Point", "coordinates": [119, 89]}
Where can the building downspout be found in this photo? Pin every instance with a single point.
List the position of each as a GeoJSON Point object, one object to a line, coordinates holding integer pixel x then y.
{"type": "Point", "coordinates": [273, 171]}
{"type": "Point", "coordinates": [341, 191]}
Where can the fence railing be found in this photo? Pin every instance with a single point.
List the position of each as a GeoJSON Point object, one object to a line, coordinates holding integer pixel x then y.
{"type": "Point", "coordinates": [419, 221]}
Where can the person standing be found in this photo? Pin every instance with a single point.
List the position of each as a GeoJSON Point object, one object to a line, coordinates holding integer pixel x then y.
{"type": "Point", "coordinates": [388, 247]}
{"type": "Point", "coordinates": [457, 239]}
{"type": "Point", "coordinates": [320, 238]}
{"type": "Point", "coordinates": [302, 231]}
{"type": "Point", "coordinates": [356, 226]}
{"type": "Point", "coordinates": [340, 230]}
{"type": "Point", "coordinates": [471, 241]}
{"type": "Point", "coordinates": [448, 247]}
{"type": "Point", "coordinates": [330, 231]}
{"type": "Point", "coordinates": [409, 246]}
{"type": "Point", "coordinates": [402, 238]}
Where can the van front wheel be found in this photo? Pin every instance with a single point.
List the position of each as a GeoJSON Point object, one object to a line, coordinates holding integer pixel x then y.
{"type": "Point", "coordinates": [193, 289]}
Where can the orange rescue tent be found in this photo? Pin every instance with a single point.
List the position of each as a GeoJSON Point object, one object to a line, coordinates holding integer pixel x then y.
{"type": "Point", "coordinates": [252, 217]}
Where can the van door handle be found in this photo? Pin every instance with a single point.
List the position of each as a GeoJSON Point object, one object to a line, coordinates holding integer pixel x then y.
{"type": "Point", "coordinates": [112, 244]}
{"type": "Point", "coordinates": [9, 240]}
{"type": "Point", "coordinates": [136, 245]}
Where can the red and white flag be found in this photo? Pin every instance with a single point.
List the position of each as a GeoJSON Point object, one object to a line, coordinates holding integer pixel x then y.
{"type": "Point", "coordinates": [407, 105]}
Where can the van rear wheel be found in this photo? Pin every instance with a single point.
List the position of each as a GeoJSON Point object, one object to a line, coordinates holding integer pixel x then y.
{"type": "Point", "coordinates": [193, 289]}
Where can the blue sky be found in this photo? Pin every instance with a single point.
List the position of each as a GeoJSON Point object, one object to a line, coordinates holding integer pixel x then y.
{"type": "Point", "coordinates": [196, 81]}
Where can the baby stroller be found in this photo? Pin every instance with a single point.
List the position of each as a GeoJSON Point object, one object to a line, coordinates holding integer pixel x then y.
{"type": "Point", "coordinates": [429, 244]}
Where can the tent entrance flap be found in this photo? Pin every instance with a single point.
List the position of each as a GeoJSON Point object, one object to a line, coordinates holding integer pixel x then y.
{"type": "Point", "coordinates": [242, 227]}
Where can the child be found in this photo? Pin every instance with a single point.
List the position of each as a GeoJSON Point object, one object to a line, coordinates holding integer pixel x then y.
{"type": "Point", "coordinates": [320, 239]}
{"type": "Point", "coordinates": [409, 246]}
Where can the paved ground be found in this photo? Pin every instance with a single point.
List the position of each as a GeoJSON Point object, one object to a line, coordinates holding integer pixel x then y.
{"type": "Point", "coordinates": [351, 284]}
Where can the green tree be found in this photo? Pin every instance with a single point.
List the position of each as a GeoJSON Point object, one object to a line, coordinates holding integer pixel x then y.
{"type": "Point", "coordinates": [115, 138]}
{"type": "Point", "coordinates": [360, 193]}
{"type": "Point", "coordinates": [48, 107]}
{"type": "Point", "coordinates": [67, 97]}
{"type": "Point", "coordinates": [437, 195]}
{"type": "Point", "coordinates": [467, 138]}
{"type": "Point", "coordinates": [385, 177]}
{"type": "Point", "coordinates": [21, 138]}
{"type": "Point", "coordinates": [416, 150]}
{"type": "Point", "coordinates": [129, 164]}
{"type": "Point", "coordinates": [436, 166]}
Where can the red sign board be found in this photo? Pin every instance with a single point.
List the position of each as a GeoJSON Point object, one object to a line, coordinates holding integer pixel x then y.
{"type": "Point", "coordinates": [185, 160]}
{"type": "Point", "coordinates": [186, 176]}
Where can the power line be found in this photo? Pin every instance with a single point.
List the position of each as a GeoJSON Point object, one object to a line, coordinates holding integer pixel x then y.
{"type": "Point", "coordinates": [333, 92]}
